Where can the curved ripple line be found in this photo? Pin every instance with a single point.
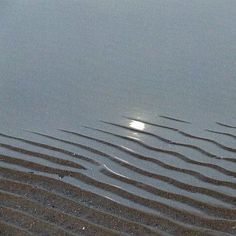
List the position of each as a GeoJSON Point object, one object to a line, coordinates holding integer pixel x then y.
{"type": "Point", "coordinates": [195, 174]}
{"type": "Point", "coordinates": [150, 123]}
{"type": "Point", "coordinates": [209, 140]}
{"type": "Point", "coordinates": [22, 219]}
{"type": "Point", "coordinates": [10, 229]}
{"type": "Point", "coordinates": [49, 158]}
{"type": "Point", "coordinates": [149, 219]}
{"type": "Point", "coordinates": [161, 150]}
{"type": "Point", "coordinates": [52, 148]}
{"type": "Point", "coordinates": [224, 147]}
{"type": "Point", "coordinates": [222, 133]}
{"type": "Point", "coordinates": [225, 125]}
{"type": "Point", "coordinates": [71, 210]}
{"type": "Point", "coordinates": [168, 211]}
{"type": "Point", "coordinates": [174, 119]}
{"type": "Point", "coordinates": [171, 142]}
{"type": "Point", "coordinates": [76, 207]}
{"type": "Point", "coordinates": [176, 183]}
{"type": "Point", "coordinates": [207, 208]}
{"type": "Point", "coordinates": [71, 223]}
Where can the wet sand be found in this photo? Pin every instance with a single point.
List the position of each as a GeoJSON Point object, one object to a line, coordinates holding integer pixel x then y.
{"type": "Point", "coordinates": [45, 199]}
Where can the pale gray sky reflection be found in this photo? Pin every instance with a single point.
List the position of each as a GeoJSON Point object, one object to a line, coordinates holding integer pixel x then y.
{"type": "Point", "coordinates": [65, 63]}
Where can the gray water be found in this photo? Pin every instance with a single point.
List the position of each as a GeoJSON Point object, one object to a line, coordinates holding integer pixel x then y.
{"type": "Point", "coordinates": [67, 63]}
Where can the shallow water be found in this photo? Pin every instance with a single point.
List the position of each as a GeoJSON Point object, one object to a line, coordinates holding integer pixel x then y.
{"type": "Point", "coordinates": [161, 72]}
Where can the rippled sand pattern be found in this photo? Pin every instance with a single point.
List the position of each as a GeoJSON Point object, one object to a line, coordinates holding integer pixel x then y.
{"type": "Point", "coordinates": [119, 180]}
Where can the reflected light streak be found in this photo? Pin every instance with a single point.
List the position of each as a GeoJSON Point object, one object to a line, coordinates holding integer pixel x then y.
{"type": "Point", "coordinates": [137, 125]}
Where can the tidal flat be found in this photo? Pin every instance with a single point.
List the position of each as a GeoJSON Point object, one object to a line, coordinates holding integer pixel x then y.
{"type": "Point", "coordinates": [118, 117]}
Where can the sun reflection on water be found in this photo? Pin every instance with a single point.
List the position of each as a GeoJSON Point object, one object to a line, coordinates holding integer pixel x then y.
{"type": "Point", "coordinates": [137, 125]}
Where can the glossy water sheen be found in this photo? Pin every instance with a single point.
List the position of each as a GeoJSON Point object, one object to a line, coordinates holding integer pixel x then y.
{"type": "Point", "coordinates": [62, 61]}
{"type": "Point", "coordinates": [126, 109]}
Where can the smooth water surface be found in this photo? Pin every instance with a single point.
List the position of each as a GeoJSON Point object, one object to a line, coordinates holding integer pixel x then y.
{"type": "Point", "coordinates": [67, 63]}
